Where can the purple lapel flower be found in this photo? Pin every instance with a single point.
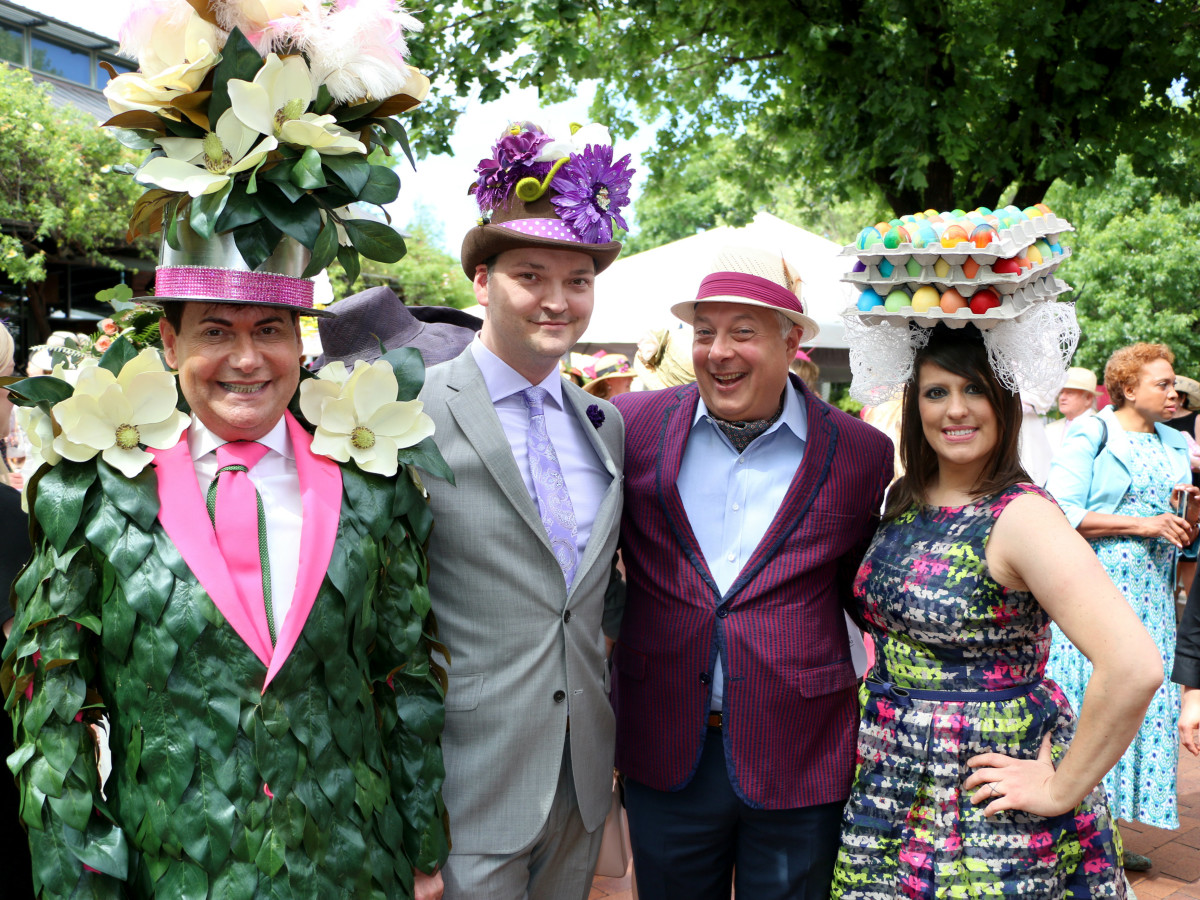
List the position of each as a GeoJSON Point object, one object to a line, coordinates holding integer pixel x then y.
{"type": "Point", "coordinates": [592, 191]}
{"type": "Point", "coordinates": [595, 415]}
{"type": "Point", "coordinates": [513, 158]}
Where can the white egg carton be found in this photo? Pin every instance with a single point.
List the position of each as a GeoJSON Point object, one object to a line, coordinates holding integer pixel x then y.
{"type": "Point", "coordinates": [1011, 305]}
{"type": "Point", "coordinates": [1004, 282]}
{"type": "Point", "coordinates": [1011, 242]}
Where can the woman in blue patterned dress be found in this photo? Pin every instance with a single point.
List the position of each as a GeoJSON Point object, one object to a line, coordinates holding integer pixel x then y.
{"type": "Point", "coordinates": [965, 785]}
{"type": "Point", "coordinates": [1117, 478]}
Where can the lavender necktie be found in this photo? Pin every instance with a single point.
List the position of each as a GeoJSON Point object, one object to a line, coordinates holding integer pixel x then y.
{"type": "Point", "coordinates": [554, 503]}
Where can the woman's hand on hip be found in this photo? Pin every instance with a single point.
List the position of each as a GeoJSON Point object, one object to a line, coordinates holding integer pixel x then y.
{"type": "Point", "coordinates": [1004, 782]}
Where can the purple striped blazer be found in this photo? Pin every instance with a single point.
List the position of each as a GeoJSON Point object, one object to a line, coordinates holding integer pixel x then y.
{"type": "Point", "coordinates": [790, 708]}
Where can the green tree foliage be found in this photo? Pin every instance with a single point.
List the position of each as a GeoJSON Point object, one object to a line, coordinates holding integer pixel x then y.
{"type": "Point", "coordinates": [939, 104]}
{"type": "Point", "coordinates": [58, 189]}
{"type": "Point", "coordinates": [425, 276]}
{"type": "Point", "coordinates": [1136, 268]}
{"type": "Point", "coordinates": [681, 199]}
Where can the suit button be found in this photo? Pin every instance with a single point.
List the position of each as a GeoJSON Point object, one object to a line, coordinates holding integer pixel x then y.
{"type": "Point", "coordinates": [722, 612]}
{"type": "Point", "coordinates": [567, 616]}
{"type": "Point", "coordinates": [705, 678]}
{"type": "Point", "coordinates": [560, 696]}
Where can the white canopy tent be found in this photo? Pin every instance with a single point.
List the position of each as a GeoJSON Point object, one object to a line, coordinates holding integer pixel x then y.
{"type": "Point", "coordinates": [636, 293]}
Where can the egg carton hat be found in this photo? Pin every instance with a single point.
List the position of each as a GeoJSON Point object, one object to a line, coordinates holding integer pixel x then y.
{"type": "Point", "coordinates": [536, 191]}
{"type": "Point", "coordinates": [752, 277]}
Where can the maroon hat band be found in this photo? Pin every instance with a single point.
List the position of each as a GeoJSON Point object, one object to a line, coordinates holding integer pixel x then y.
{"type": "Point", "coordinates": [751, 287]}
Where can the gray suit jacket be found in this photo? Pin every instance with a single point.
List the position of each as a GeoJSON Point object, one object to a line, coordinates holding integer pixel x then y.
{"type": "Point", "coordinates": [520, 646]}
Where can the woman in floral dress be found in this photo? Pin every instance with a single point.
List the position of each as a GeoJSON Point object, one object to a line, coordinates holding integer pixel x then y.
{"type": "Point", "coordinates": [1117, 478]}
{"type": "Point", "coordinates": [965, 785]}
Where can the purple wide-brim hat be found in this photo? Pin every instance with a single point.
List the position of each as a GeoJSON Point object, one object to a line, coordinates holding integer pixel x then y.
{"type": "Point", "coordinates": [212, 270]}
{"type": "Point", "coordinates": [534, 224]}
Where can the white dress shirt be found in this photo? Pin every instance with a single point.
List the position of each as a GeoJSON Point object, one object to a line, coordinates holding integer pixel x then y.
{"type": "Point", "coordinates": [279, 487]}
{"type": "Point", "coordinates": [731, 498]}
{"type": "Point", "coordinates": [584, 472]}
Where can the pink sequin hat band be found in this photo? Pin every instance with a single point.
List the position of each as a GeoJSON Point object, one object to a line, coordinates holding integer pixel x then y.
{"type": "Point", "coordinates": [216, 285]}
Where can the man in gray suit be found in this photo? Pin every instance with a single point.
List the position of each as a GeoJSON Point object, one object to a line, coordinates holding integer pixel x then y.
{"type": "Point", "coordinates": [522, 555]}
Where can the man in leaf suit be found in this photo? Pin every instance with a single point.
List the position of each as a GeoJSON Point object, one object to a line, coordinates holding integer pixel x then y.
{"type": "Point", "coordinates": [273, 734]}
{"type": "Point", "coordinates": [521, 560]}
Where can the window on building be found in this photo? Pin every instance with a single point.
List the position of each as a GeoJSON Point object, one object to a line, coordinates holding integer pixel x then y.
{"type": "Point", "coordinates": [55, 59]}
{"type": "Point", "coordinates": [12, 44]}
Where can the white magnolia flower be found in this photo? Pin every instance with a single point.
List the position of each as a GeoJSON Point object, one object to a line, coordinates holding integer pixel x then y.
{"type": "Point", "coordinates": [39, 431]}
{"type": "Point", "coordinates": [588, 134]}
{"type": "Point", "coordinates": [175, 50]}
{"type": "Point", "coordinates": [70, 374]}
{"type": "Point", "coordinates": [205, 165]}
{"type": "Point", "coordinates": [276, 104]}
{"type": "Point", "coordinates": [362, 419]}
{"type": "Point", "coordinates": [112, 415]}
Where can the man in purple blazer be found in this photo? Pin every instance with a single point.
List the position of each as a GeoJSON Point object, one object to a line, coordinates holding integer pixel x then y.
{"type": "Point", "coordinates": [748, 505]}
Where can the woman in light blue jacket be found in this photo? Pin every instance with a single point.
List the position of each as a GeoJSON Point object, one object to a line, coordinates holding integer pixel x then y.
{"type": "Point", "coordinates": [1120, 478]}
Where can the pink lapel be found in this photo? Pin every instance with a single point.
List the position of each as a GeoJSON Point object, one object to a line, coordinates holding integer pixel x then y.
{"type": "Point", "coordinates": [321, 493]}
{"type": "Point", "coordinates": [184, 517]}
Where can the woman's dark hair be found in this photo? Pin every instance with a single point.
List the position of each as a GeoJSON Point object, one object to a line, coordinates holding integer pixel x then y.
{"type": "Point", "coordinates": [960, 351]}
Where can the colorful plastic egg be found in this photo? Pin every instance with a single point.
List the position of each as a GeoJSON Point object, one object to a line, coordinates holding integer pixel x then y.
{"type": "Point", "coordinates": [1033, 212]}
{"type": "Point", "coordinates": [886, 267]}
{"type": "Point", "coordinates": [868, 300]}
{"type": "Point", "coordinates": [983, 300]}
{"type": "Point", "coordinates": [913, 268]}
{"type": "Point", "coordinates": [941, 268]}
{"type": "Point", "coordinates": [983, 235]}
{"type": "Point", "coordinates": [1006, 267]}
{"type": "Point", "coordinates": [970, 268]}
{"type": "Point", "coordinates": [868, 237]}
{"type": "Point", "coordinates": [897, 300]}
{"type": "Point", "coordinates": [953, 236]}
{"type": "Point", "coordinates": [859, 266]}
{"type": "Point", "coordinates": [1046, 211]}
{"type": "Point", "coordinates": [983, 211]}
{"type": "Point", "coordinates": [952, 301]}
{"type": "Point", "coordinates": [1043, 248]}
{"type": "Point", "coordinates": [925, 298]}
{"type": "Point", "coordinates": [1056, 248]}
{"type": "Point", "coordinates": [895, 236]}
{"type": "Point", "coordinates": [1034, 255]}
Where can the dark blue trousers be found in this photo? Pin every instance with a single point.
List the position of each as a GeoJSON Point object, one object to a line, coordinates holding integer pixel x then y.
{"type": "Point", "coordinates": [688, 844]}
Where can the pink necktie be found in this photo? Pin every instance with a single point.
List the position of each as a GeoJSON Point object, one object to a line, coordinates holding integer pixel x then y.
{"type": "Point", "coordinates": [240, 525]}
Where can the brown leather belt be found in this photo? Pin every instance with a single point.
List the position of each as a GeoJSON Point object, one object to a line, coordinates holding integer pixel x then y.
{"type": "Point", "coordinates": [714, 720]}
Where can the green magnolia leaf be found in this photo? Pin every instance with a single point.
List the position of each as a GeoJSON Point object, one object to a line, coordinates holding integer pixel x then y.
{"type": "Point", "coordinates": [406, 362]}
{"type": "Point", "coordinates": [299, 218]}
{"type": "Point", "coordinates": [239, 60]}
{"type": "Point", "coordinates": [39, 389]}
{"type": "Point", "coordinates": [348, 257]}
{"type": "Point", "coordinates": [350, 113]}
{"type": "Point", "coordinates": [73, 807]}
{"type": "Point", "coordinates": [60, 498]}
{"type": "Point", "coordinates": [256, 242]}
{"type": "Point", "coordinates": [307, 173]}
{"type": "Point", "coordinates": [369, 497]}
{"type": "Point", "coordinates": [270, 856]}
{"type": "Point", "coordinates": [396, 132]}
{"type": "Point", "coordinates": [375, 240]}
{"type": "Point", "coordinates": [55, 866]}
{"type": "Point", "coordinates": [323, 102]}
{"type": "Point", "coordinates": [281, 177]}
{"type": "Point", "coordinates": [204, 822]}
{"type": "Point", "coordinates": [136, 497]}
{"type": "Point", "coordinates": [382, 187]}
{"type": "Point", "coordinates": [207, 208]}
{"type": "Point", "coordinates": [240, 209]}
{"type": "Point", "coordinates": [351, 170]}
{"type": "Point", "coordinates": [183, 128]}
{"type": "Point", "coordinates": [427, 457]}
{"type": "Point", "coordinates": [324, 253]}
{"type": "Point", "coordinates": [134, 138]}
{"type": "Point", "coordinates": [237, 880]}
{"type": "Point", "coordinates": [118, 353]}
{"type": "Point", "coordinates": [183, 880]}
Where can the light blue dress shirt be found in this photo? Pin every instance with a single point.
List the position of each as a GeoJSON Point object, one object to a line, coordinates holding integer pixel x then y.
{"type": "Point", "coordinates": [582, 468]}
{"type": "Point", "coordinates": [731, 498]}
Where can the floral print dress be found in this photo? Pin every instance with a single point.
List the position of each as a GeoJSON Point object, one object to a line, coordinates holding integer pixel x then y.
{"type": "Point", "coordinates": [940, 623]}
{"type": "Point", "coordinates": [1141, 786]}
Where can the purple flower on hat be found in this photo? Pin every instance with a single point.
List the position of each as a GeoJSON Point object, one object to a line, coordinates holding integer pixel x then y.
{"type": "Point", "coordinates": [513, 158]}
{"type": "Point", "coordinates": [592, 191]}
{"type": "Point", "coordinates": [595, 415]}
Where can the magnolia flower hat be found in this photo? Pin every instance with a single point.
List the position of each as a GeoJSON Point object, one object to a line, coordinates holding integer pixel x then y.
{"type": "Point", "coordinates": [536, 191]}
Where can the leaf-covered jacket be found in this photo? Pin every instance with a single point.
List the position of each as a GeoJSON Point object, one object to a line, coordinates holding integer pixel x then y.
{"type": "Point", "coordinates": [325, 784]}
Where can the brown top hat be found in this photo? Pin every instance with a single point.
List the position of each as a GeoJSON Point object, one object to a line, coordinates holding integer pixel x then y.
{"type": "Point", "coordinates": [535, 191]}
